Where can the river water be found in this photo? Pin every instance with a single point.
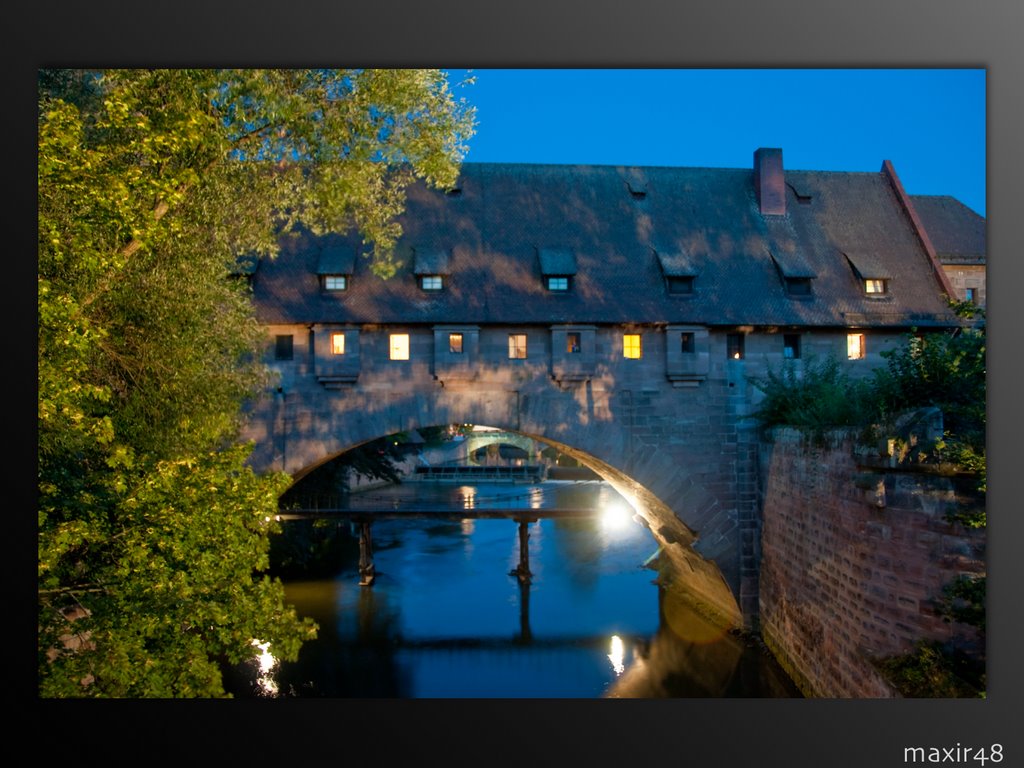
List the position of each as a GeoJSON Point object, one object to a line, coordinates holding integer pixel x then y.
{"type": "Point", "coordinates": [447, 618]}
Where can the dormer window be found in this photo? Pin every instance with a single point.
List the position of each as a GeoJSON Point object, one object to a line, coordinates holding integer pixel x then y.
{"type": "Point", "coordinates": [679, 271]}
{"type": "Point", "coordinates": [336, 264]}
{"type": "Point", "coordinates": [560, 283]}
{"type": "Point", "coordinates": [871, 272]}
{"type": "Point", "coordinates": [430, 268]}
{"type": "Point", "coordinates": [875, 287]}
{"type": "Point", "coordinates": [558, 267]}
{"type": "Point", "coordinates": [798, 286]}
{"type": "Point", "coordinates": [335, 282]}
{"type": "Point", "coordinates": [797, 275]}
{"type": "Point", "coordinates": [679, 284]}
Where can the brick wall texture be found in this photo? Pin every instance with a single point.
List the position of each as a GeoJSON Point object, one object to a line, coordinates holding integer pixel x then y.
{"type": "Point", "coordinates": [854, 555]}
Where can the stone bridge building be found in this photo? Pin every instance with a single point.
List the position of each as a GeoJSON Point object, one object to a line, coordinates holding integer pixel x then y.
{"type": "Point", "coordinates": [616, 313]}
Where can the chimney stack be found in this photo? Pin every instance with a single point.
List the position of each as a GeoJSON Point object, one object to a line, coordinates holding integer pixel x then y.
{"type": "Point", "coordinates": [770, 181]}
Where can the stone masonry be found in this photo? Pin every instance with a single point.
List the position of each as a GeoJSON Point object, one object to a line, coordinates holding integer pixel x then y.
{"type": "Point", "coordinates": [854, 557]}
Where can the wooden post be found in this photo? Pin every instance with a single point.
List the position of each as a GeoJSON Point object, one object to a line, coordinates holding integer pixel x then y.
{"type": "Point", "coordinates": [523, 569]}
{"type": "Point", "coordinates": [525, 635]}
{"type": "Point", "coordinates": [366, 570]}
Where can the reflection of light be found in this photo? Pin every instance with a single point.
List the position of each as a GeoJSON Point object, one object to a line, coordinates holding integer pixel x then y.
{"type": "Point", "coordinates": [467, 526]}
{"type": "Point", "coordinates": [536, 498]}
{"type": "Point", "coordinates": [617, 655]}
{"type": "Point", "coordinates": [267, 664]}
{"type": "Point", "coordinates": [614, 517]}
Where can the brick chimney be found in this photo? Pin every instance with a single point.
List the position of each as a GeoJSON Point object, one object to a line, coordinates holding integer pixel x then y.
{"type": "Point", "coordinates": [770, 181]}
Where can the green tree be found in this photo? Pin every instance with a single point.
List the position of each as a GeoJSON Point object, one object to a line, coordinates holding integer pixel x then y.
{"type": "Point", "coordinates": [947, 371]}
{"type": "Point", "coordinates": [153, 532]}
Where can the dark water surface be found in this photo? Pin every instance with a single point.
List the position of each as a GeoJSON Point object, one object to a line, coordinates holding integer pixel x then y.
{"type": "Point", "coordinates": [446, 618]}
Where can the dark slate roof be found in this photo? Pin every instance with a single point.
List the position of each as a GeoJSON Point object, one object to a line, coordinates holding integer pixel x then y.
{"type": "Point", "coordinates": [957, 233]}
{"type": "Point", "coordinates": [430, 261]}
{"type": "Point", "coordinates": [701, 221]}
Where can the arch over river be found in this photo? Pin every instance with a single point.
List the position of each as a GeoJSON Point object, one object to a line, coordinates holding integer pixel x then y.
{"type": "Point", "coordinates": [684, 490]}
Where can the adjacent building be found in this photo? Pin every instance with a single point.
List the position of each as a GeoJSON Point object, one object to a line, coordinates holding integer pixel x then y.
{"type": "Point", "coordinates": [957, 235]}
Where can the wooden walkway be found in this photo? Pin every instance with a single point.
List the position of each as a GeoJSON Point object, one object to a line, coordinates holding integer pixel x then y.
{"type": "Point", "coordinates": [439, 513]}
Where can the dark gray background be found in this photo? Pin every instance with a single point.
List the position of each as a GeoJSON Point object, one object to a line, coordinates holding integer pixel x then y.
{"type": "Point", "coordinates": [577, 33]}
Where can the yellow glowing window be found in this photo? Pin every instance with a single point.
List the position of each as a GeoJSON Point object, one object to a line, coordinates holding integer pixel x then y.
{"type": "Point", "coordinates": [338, 343]}
{"type": "Point", "coordinates": [855, 346]}
{"type": "Point", "coordinates": [874, 287]}
{"type": "Point", "coordinates": [399, 346]}
{"type": "Point", "coordinates": [517, 346]}
{"type": "Point", "coordinates": [631, 346]}
{"type": "Point", "coordinates": [455, 343]}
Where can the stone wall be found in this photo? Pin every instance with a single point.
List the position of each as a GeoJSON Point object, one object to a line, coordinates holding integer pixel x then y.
{"type": "Point", "coordinates": [854, 555]}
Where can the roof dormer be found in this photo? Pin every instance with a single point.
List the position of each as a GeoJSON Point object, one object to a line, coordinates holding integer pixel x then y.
{"type": "Point", "coordinates": [335, 266]}
{"type": "Point", "coordinates": [558, 268]}
{"type": "Point", "coordinates": [431, 266]}
{"type": "Point", "coordinates": [870, 271]}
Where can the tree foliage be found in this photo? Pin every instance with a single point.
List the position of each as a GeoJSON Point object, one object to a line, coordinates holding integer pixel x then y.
{"type": "Point", "coordinates": [947, 371]}
{"type": "Point", "coordinates": [816, 398]}
{"type": "Point", "coordinates": [944, 370]}
{"type": "Point", "coordinates": [153, 532]}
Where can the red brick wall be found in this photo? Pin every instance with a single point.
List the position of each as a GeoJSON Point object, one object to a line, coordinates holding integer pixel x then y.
{"type": "Point", "coordinates": [853, 556]}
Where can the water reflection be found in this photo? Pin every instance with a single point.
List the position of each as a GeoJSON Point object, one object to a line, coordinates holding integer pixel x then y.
{"type": "Point", "coordinates": [445, 619]}
{"type": "Point", "coordinates": [617, 655]}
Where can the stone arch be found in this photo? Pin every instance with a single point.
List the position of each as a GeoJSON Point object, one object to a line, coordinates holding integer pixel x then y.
{"type": "Point", "coordinates": [638, 475]}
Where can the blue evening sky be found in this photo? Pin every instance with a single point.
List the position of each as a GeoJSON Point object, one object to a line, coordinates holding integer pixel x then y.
{"type": "Point", "coordinates": [930, 123]}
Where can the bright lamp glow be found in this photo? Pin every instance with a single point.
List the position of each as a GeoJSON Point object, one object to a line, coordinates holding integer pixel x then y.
{"type": "Point", "coordinates": [615, 516]}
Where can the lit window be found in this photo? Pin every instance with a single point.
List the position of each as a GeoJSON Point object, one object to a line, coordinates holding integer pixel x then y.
{"type": "Point", "coordinates": [874, 287]}
{"type": "Point", "coordinates": [399, 346]}
{"type": "Point", "coordinates": [283, 348]}
{"type": "Point", "coordinates": [431, 282]}
{"type": "Point", "coordinates": [855, 346]}
{"type": "Point", "coordinates": [558, 283]}
{"type": "Point", "coordinates": [455, 343]}
{"type": "Point", "coordinates": [679, 285]}
{"type": "Point", "coordinates": [338, 343]}
{"type": "Point", "coordinates": [969, 295]}
{"type": "Point", "coordinates": [734, 346]}
{"type": "Point", "coordinates": [791, 346]}
{"type": "Point", "coordinates": [335, 282]}
{"type": "Point", "coordinates": [517, 346]}
{"type": "Point", "coordinates": [631, 346]}
{"type": "Point", "coordinates": [572, 343]}
{"type": "Point", "coordinates": [686, 343]}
